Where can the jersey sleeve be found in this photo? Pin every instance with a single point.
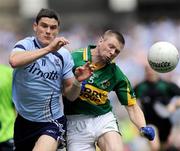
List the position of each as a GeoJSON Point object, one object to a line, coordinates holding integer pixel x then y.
{"type": "Point", "coordinates": [68, 63]}
{"type": "Point", "coordinates": [123, 89]}
{"type": "Point", "coordinates": [22, 45]}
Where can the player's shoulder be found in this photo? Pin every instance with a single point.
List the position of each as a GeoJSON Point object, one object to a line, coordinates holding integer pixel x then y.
{"type": "Point", "coordinates": [167, 83]}
{"type": "Point", "coordinates": [64, 51]}
{"type": "Point", "coordinates": [26, 40]}
{"type": "Point", "coordinates": [115, 67]}
{"type": "Point", "coordinates": [26, 43]}
{"type": "Point", "coordinates": [77, 53]}
{"type": "Point", "coordinates": [116, 70]}
{"type": "Point", "coordinates": [65, 54]}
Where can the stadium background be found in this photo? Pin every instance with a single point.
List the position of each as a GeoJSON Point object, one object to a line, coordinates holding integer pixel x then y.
{"type": "Point", "coordinates": [142, 22]}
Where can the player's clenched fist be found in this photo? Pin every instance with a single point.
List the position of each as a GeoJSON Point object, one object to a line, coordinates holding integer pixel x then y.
{"type": "Point", "coordinates": [57, 43]}
{"type": "Point", "coordinates": [148, 132]}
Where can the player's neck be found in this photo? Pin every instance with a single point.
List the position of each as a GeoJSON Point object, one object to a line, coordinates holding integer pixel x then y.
{"type": "Point", "coordinates": [95, 56]}
{"type": "Point", "coordinates": [96, 60]}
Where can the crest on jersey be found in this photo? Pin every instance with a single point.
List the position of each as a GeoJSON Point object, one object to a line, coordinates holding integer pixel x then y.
{"type": "Point", "coordinates": [57, 62]}
{"type": "Point", "coordinates": [105, 84]}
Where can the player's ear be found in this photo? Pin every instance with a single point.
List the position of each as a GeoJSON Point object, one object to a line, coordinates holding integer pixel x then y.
{"type": "Point", "coordinates": [100, 39]}
{"type": "Point", "coordinates": [58, 30]}
{"type": "Point", "coordinates": [35, 26]}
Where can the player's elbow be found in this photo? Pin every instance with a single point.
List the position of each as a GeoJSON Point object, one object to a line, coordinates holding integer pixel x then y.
{"type": "Point", "coordinates": [13, 62]}
{"type": "Point", "coordinates": [71, 96]}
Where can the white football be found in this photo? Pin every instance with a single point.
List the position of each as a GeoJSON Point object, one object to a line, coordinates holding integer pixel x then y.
{"type": "Point", "coordinates": [163, 56]}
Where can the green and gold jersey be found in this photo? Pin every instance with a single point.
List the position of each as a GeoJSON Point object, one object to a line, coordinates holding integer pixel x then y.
{"type": "Point", "coordinates": [7, 112]}
{"type": "Point", "coordinates": [93, 99]}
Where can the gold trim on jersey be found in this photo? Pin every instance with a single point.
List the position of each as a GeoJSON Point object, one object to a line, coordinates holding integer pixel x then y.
{"type": "Point", "coordinates": [94, 95]}
{"type": "Point", "coordinates": [96, 66]}
{"type": "Point", "coordinates": [131, 99]}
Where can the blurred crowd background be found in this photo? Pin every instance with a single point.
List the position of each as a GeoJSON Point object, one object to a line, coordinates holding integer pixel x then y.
{"type": "Point", "coordinates": [142, 22]}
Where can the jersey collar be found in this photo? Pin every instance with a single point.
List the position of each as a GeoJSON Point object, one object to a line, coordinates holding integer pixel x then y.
{"type": "Point", "coordinates": [36, 43]}
{"type": "Point", "coordinates": [87, 53]}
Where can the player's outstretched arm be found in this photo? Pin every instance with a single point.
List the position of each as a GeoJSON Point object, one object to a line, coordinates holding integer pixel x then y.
{"type": "Point", "coordinates": [72, 87]}
{"type": "Point", "coordinates": [21, 57]}
{"type": "Point", "coordinates": [137, 117]}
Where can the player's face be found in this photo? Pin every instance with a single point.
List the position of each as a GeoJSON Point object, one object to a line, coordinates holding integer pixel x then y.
{"type": "Point", "coordinates": [109, 48]}
{"type": "Point", "coordinates": [46, 30]}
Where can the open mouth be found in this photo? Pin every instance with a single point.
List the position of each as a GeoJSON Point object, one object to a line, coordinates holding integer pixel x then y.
{"type": "Point", "coordinates": [47, 37]}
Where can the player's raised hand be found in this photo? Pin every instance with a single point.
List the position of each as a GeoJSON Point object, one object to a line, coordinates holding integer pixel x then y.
{"type": "Point", "coordinates": [84, 72]}
{"type": "Point", "coordinates": [57, 43]}
{"type": "Point", "coordinates": [148, 132]}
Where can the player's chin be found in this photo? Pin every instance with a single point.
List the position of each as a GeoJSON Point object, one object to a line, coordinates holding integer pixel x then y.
{"type": "Point", "coordinates": [108, 60]}
{"type": "Point", "coordinates": [46, 42]}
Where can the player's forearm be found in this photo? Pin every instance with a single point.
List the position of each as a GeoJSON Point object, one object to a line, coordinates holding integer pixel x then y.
{"type": "Point", "coordinates": [19, 58]}
{"type": "Point", "coordinates": [136, 116]}
{"type": "Point", "coordinates": [73, 92]}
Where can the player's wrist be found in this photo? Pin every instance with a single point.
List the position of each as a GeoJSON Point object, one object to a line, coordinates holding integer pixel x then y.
{"type": "Point", "coordinates": [77, 83]}
{"type": "Point", "coordinates": [141, 128]}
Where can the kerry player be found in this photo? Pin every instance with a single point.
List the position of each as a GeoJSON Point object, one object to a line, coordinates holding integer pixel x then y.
{"type": "Point", "coordinates": [90, 117]}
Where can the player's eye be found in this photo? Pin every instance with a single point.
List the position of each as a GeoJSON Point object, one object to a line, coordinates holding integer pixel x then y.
{"type": "Point", "coordinates": [53, 27]}
{"type": "Point", "coordinates": [44, 25]}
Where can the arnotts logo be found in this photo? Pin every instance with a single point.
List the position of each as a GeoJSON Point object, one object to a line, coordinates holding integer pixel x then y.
{"type": "Point", "coordinates": [47, 75]}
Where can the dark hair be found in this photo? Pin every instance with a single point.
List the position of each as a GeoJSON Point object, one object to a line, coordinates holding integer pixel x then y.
{"type": "Point", "coordinates": [117, 34]}
{"type": "Point", "coordinates": [44, 12]}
